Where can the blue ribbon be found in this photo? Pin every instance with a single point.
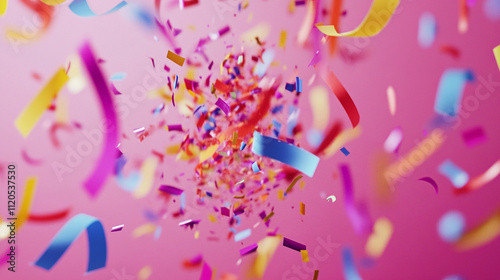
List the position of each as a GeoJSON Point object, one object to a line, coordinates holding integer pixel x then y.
{"type": "Point", "coordinates": [81, 8]}
{"type": "Point", "coordinates": [450, 91]}
{"type": "Point", "coordinates": [288, 154]}
{"type": "Point", "coordinates": [67, 235]}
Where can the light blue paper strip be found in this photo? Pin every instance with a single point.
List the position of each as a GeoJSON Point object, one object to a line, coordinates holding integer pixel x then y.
{"type": "Point", "coordinates": [455, 174]}
{"type": "Point", "coordinates": [81, 8]}
{"type": "Point", "coordinates": [68, 234]}
{"type": "Point", "coordinates": [450, 91]}
{"type": "Point", "coordinates": [350, 272]}
{"type": "Point", "coordinates": [288, 154]}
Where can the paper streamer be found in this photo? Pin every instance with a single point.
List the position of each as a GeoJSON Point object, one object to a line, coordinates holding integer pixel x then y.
{"type": "Point", "coordinates": [283, 152]}
{"type": "Point", "coordinates": [29, 193]}
{"type": "Point", "coordinates": [427, 29]}
{"type": "Point", "coordinates": [320, 105]}
{"type": "Point", "coordinates": [206, 272]}
{"type": "Point", "coordinates": [480, 235]}
{"type": "Point", "coordinates": [68, 234]}
{"type": "Point", "coordinates": [343, 96]}
{"type": "Point", "coordinates": [371, 25]}
{"type": "Point", "coordinates": [45, 13]}
{"type": "Point", "coordinates": [81, 8]}
{"type": "Point", "coordinates": [106, 163]}
{"type": "Point", "coordinates": [3, 7]}
{"type": "Point", "coordinates": [334, 21]}
{"type": "Point", "coordinates": [350, 271]}
{"type": "Point", "coordinates": [481, 180]}
{"type": "Point", "coordinates": [430, 181]}
{"type": "Point", "coordinates": [455, 174]}
{"type": "Point", "coordinates": [49, 217]}
{"type": "Point", "coordinates": [32, 113]}
{"type": "Point", "coordinates": [450, 90]}
{"type": "Point", "coordinates": [496, 53]}
{"type": "Point", "coordinates": [148, 169]}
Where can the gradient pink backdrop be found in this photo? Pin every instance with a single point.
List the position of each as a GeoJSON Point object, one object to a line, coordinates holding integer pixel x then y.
{"type": "Point", "coordinates": [394, 57]}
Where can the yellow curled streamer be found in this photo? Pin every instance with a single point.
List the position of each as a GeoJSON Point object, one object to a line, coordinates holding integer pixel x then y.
{"type": "Point", "coordinates": [32, 113]}
{"type": "Point", "coordinates": [481, 234]}
{"type": "Point", "coordinates": [22, 216]}
{"type": "Point", "coordinates": [380, 13]}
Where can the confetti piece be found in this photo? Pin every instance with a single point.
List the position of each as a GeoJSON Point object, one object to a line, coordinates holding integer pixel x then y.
{"type": "Point", "coordinates": [255, 167]}
{"type": "Point", "coordinates": [208, 152]}
{"type": "Point", "coordinates": [450, 50]}
{"type": "Point", "coordinates": [357, 213]}
{"type": "Point", "coordinates": [451, 226]}
{"type": "Point", "coordinates": [293, 245]}
{"type": "Point", "coordinates": [378, 240]}
{"type": "Point", "coordinates": [249, 249]}
{"type": "Point", "coordinates": [305, 255]}
{"type": "Point", "coordinates": [427, 29]}
{"type": "Point", "coordinates": [145, 272]}
{"type": "Point", "coordinates": [292, 184]}
{"type": "Point", "coordinates": [261, 67]}
{"type": "Point", "coordinates": [171, 190]}
{"type": "Point", "coordinates": [117, 228]}
{"type": "Point", "coordinates": [265, 251]}
{"type": "Point", "coordinates": [481, 234]}
{"type": "Point", "coordinates": [320, 105]}
{"type": "Point", "coordinates": [331, 198]}
{"type": "Point", "coordinates": [307, 25]}
{"type": "Point", "coordinates": [450, 90]}
{"type": "Point", "coordinates": [298, 83]}
{"type": "Point", "coordinates": [68, 234]}
{"type": "Point", "coordinates": [49, 217]}
{"type": "Point", "coordinates": [81, 8]}
{"type": "Point", "coordinates": [302, 208]}
{"type": "Point", "coordinates": [118, 76]}
{"type": "Point", "coordinates": [391, 99]}
{"type": "Point", "coordinates": [430, 181]}
{"type": "Point", "coordinates": [463, 17]}
{"type": "Point", "coordinates": [53, 2]}
{"type": "Point", "coordinates": [344, 151]}
{"type": "Point", "coordinates": [242, 235]}
{"type": "Point", "coordinates": [3, 7]}
{"type": "Point", "coordinates": [393, 141]}
{"type": "Point", "coordinates": [474, 136]}
{"type": "Point", "coordinates": [455, 174]}
{"type": "Point", "coordinates": [350, 271]}
{"type": "Point", "coordinates": [496, 52]}
{"type": "Point", "coordinates": [261, 30]}
{"type": "Point", "coordinates": [104, 166]}
{"type": "Point", "coordinates": [343, 96]}
{"type": "Point", "coordinates": [282, 43]}
{"type": "Point", "coordinates": [148, 169]}
{"type": "Point", "coordinates": [268, 217]}
{"type": "Point", "coordinates": [366, 28]}
{"type": "Point", "coordinates": [143, 230]}
{"type": "Point", "coordinates": [288, 154]}
{"type": "Point", "coordinates": [32, 113]}
{"type": "Point", "coordinates": [223, 106]}
{"type": "Point", "coordinates": [177, 59]}
{"type": "Point", "coordinates": [316, 275]}
{"type": "Point", "coordinates": [30, 160]}
{"type": "Point", "coordinates": [481, 180]}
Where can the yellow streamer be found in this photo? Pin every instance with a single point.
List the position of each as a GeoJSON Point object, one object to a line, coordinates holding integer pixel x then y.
{"type": "Point", "coordinates": [378, 240]}
{"type": "Point", "coordinates": [32, 113]}
{"type": "Point", "coordinates": [147, 174]}
{"type": "Point", "coordinates": [480, 235]}
{"type": "Point", "coordinates": [496, 52]}
{"type": "Point", "coordinates": [144, 229]}
{"type": "Point", "coordinates": [376, 19]}
{"type": "Point", "coordinates": [3, 7]}
{"type": "Point", "coordinates": [53, 2]}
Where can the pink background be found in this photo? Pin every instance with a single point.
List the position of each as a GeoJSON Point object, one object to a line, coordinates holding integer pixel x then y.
{"type": "Point", "coordinates": [394, 57]}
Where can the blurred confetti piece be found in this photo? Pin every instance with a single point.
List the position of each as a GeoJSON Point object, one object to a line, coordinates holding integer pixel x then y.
{"type": "Point", "coordinates": [344, 151]}
{"type": "Point", "coordinates": [148, 169]}
{"type": "Point", "coordinates": [23, 214]}
{"type": "Point", "coordinates": [283, 152]}
{"type": "Point", "coordinates": [450, 90]}
{"type": "Point", "coordinates": [206, 273]}
{"type": "Point", "coordinates": [320, 105]}
{"type": "Point", "coordinates": [143, 230]}
{"type": "Point", "coordinates": [295, 180]}
{"type": "Point", "coordinates": [265, 251]}
{"type": "Point", "coordinates": [463, 17]}
{"type": "Point", "coordinates": [282, 43]}
{"type": "Point", "coordinates": [393, 141]}
{"type": "Point", "coordinates": [68, 234]}
{"type": "Point", "coordinates": [118, 76]}
{"type": "Point", "coordinates": [480, 235]}
{"type": "Point", "coordinates": [341, 139]}
{"type": "Point", "coordinates": [496, 50]}
{"type": "Point", "coordinates": [223, 106]}
{"type": "Point", "coordinates": [305, 255]}
{"type": "Point", "coordinates": [249, 249]}
{"type": "Point", "coordinates": [105, 164]}
{"type": "Point", "coordinates": [44, 12]}
{"type": "Point", "coordinates": [450, 50]}
{"type": "Point", "coordinates": [343, 96]}
{"type": "Point", "coordinates": [430, 181]}
{"type": "Point", "coordinates": [492, 9]}
{"type": "Point", "coordinates": [302, 208]}
{"type": "Point", "coordinates": [81, 8]}
{"type": "Point", "coordinates": [481, 180]}
{"type": "Point", "coordinates": [307, 24]}
{"type": "Point", "coordinates": [455, 174]}
{"type": "Point", "coordinates": [177, 59]}
{"type": "Point", "coordinates": [3, 7]}
{"type": "Point", "coordinates": [261, 31]}
{"type": "Point", "coordinates": [350, 271]}
{"type": "Point", "coordinates": [117, 228]}
{"type": "Point", "coordinates": [294, 245]}
{"type": "Point", "coordinates": [366, 28]}
{"type": "Point", "coordinates": [53, 2]}
{"type": "Point", "coordinates": [378, 240]}
{"type": "Point", "coordinates": [427, 29]}
{"type": "Point", "coordinates": [242, 235]}
{"type": "Point", "coordinates": [145, 272]}
{"type": "Point", "coordinates": [331, 198]}
{"type": "Point", "coordinates": [474, 136]}
{"type": "Point", "coordinates": [451, 226]}
{"type": "Point", "coordinates": [30, 160]}
{"type": "Point", "coordinates": [32, 113]}
{"type": "Point", "coordinates": [48, 217]}
{"type": "Point", "coordinates": [391, 99]}
{"type": "Point", "coordinates": [208, 152]}
{"type": "Point", "coordinates": [316, 275]}
{"type": "Point", "coordinates": [262, 66]}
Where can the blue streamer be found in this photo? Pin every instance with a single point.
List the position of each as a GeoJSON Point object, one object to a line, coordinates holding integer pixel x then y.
{"type": "Point", "coordinates": [350, 272]}
{"type": "Point", "coordinates": [81, 8]}
{"type": "Point", "coordinates": [289, 154]}
{"type": "Point", "coordinates": [68, 234]}
{"type": "Point", "coordinates": [450, 91]}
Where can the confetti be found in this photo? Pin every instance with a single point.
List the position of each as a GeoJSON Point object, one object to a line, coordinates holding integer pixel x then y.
{"type": "Point", "coordinates": [393, 141]}
{"type": "Point", "coordinates": [49, 217]}
{"type": "Point", "coordinates": [302, 208]}
{"type": "Point", "coordinates": [378, 240]}
{"type": "Point", "coordinates": [430, 181]}
{"type": "Point", "coordinates": [450, 90]}
{"type": "Point", "coordinates": [496, 52]}
{"type": "Point", "coordinates": [293, 244]}
{"type": "Point", "coordinates": [331, 198]}
{"type": "Point", "coordinates": [32, 113]}
{"type": "Point", "coordinates": [391, 99]}
{"type": "Point", "coordinates": [305, 255]}
{"type": "Point", "coordinates": [427, 29]}
{"type": "Point", "coordinates": [480, 235]}
{"type": "Point", "coordinates": [249, 249]}
{"type": "Point", "coordinates": [350, 271]}
{"type": "Point", "coordinates": [81, 8]}
{"type": "Point", "coordinates": [282, 43]}
{"type": "Point", "coordinates": [365, 29]}
{"type": "Point", "coordinates": [3, 7]}
{"type": "Point", "coordinates": [177, 59]}
{"type": "Point", "coordinates": [474, 136]}
{"type": "Point", "coordinates": [344, 151]}
{"type": "Point", "coordinates": [223, 106]}
{"type": "Point", "coordinates": [242, 235]}
{"type": "Point", "coordinates": [117, 228]}
{"type": "Point", "coordinates": [67, 235]}
{"type": "Point", "coordinates": [455, 174]}
{"type": "Point", "coordinates": [451, 226]}
{"type": "Point", "coordinates": [480, 180]}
